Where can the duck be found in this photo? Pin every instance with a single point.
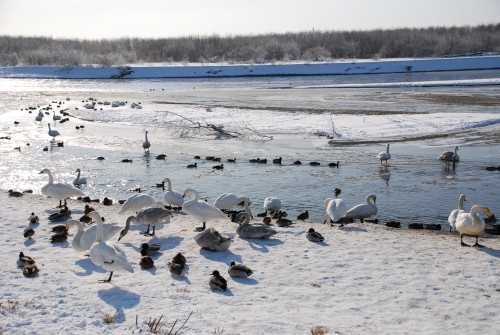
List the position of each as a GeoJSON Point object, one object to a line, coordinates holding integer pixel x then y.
{"type": "Point", "coordinates": [150, 249]}
{"type": "Point", "coordinates": [211, 239]}
{"type": "Point", "coordinates": [88, 209]}
{"type": "Point", "coordinates": [146, 262]}
{"type": "Point", "coordinates": [171, 197]}
{"type": "Point", "coordinates": [53, 133]}
{"type": "Point", "coordinates": [384, 155]}
{"type": "Point", "coordinates": [266, 220]}
{"type": "Point", "coordinates": [231, 160]}
{"type": "Point", "coordinates": [23, 259]}
{"type": "Point", "coordinates": [146, 144]}
{"type": "Point", "coordinates": [449, 156]}
{"type": "Point", "coordinates": [239, 270]}
{"type": "Point", "coordinates": [60, 229]}
{"type": "Point", "coordinates": [314, 163]}
{"type": "Point", "coordinates": [200, 209]}
{"type": "Point", "coordinates": [137, 202]}
{"type": "Point", "coordinates": [277, 160]}
{"type": "Point", "coordinates": [452, 218]}
{"type": "Point", "coordinates": [297, 163]}
{"type": "Point", "coordinates": [30, 270]}
{"type": "Point", "coordinates": [63, 214]}
{"type": "Point", "coordinates": [192, 166]}
{"type": "Point", "coordinates": [56, 238]}
{"type": "Point", "coordinates": [314, 236]}
{"type": "Point", "coordinates": [79, 180]}
{"type": "Point", "coordinates": [59, 191]}
{"type": "Point", "coordinates": [218, 167]}
{"type": "Point", "coordinates": [28, 233]}
{"type": "Point", "coordinates": [227, 201]}
{"type": "Point", "coordinates": [272, 204]}
{"type": "Point", "coordinates": [177, 265]}
{"type": "Point", "coordinates": [252, 231]}
{"type": "Point", "coordinates": [281, 221]}
{"type": "Point", "coordinates": [334, 164]}
{"type": "Point", "coordinates": [335, 210]}
{"type": "Point", "coordinates": [153, 216]}
{"type": "Point", "coordinates": [303, 216]}
{"type": "Point", "coordinates": [362, 211]}
{"type": "Point", "coordinates": [471, 224]}
{"type": "Point", "coordinates": [34, 219]}
{"type": "Point", "coordinates": [131, 219]}
{"type": "Point", "coordinates": [217, 282]}
{"type": "Point", "coordinates": [15, 194]}
{"type": "Point", "coordinates": [84, 239]}
{"type": "Point", "coordinates": [106, 254]}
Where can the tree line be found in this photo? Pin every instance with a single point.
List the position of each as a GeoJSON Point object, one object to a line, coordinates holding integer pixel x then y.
{"type": "Point", "coordinates": [301, 46]}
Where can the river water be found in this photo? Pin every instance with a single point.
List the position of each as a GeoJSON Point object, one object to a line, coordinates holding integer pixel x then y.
{"type": "Point", "coordinates": [415, 187]}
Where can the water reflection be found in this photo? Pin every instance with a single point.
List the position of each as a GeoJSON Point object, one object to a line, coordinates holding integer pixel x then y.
{"type": "Point", "coordinates": [385, 174]}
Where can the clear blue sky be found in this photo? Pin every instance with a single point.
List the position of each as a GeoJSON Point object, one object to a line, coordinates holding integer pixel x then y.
{"type": "Point", "coordinates": [96, 19]}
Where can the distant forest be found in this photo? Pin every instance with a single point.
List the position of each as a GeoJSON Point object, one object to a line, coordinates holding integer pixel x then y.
{"type": "Point", "coordinates": [302, 46]}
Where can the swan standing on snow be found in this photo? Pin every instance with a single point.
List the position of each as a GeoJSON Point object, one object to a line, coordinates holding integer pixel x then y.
{"type": "Point", "coordinates": [172, 198]}
{"type": "Point", "coordinates": [384, 156]}
{"type": "Point", "coordinates": [247, 230]}
{"type": "Point", "coordinates": [452, 218]}
{"type": "Point", "coordinates": [84, 239]}
{"type": "Point", "coordinates": [146, 144]}
{"type": "Point", "coordinates": [59, 191]}
{"type": "Point", "coordinates": [227, 201]}
{"type": "Point", "coordinates": [335, 210]}
{"type": "Point", "coordinates": [153, 216]}
{"type": "Point", "coordinates": [201, 209]}
{"type": "Point", "coordinates": [471, 224]}
{"type": "Point", "coordinates": [137, 202]}
{"type": "Point", "coordinates": [449, 156]}
{"type": "Point", "coordinates": [53, 133]}
{"type": "Point", "coordinates": [106, 254]}
{"type": "Point", "coordinates": [56, 117]}
{"type": "Point", "coordinates": [363, 211]}
{"type": "Point", "coordinates": [79, 180]}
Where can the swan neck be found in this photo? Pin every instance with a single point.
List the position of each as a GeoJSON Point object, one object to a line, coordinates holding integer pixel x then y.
{"type": "Point", "coordinates": [169, 184]}
{"type": "Point", "coordinates": [100, 231]}
{"type": "Point", "coordinates": [51, 179]}
{"type": "Point", "coordinates": [79, 233]}
{"type": "Point", "coordinates": [461, 202]}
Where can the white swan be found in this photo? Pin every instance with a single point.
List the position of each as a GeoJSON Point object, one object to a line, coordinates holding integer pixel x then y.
{"type": "Point", "coordinates": [452, 218]}
{"type": "Point", "coordinates": [59, 191]}
{"type": "Point", "coordinates": [106, 254]}
{"type": "Point", "coordinates": [56, 117]}
{"type": "Point", "coordinates": [201, 209]}
{"type": "Point", "coordinates": [84, 239]}
{"type": "Point", "coordinates": [272, 204]}
{"type": "Point", "coordinates": [335, 210]}
{"type": "Point", "coordinates": [79, 180]}
{"type": "Point", "coordinates": [53, 133]}
{"type": "Point", "coordinates": [363, 211]}
{"type": "Point", "coordinates": [247, 230]}
{"type": "Point", "coordinates": [471, 224]}
{"type": "Point", "coordinates": [137, 202]}
{"type": "Point", "coordinates": [153, 216]}
{"type": "Point", "coordinates": [146, 144]}
{"type": "Point", "coordinates": [227, 201]}
{"type": "Point", "coordinates": [449, 156]}
{"type": "Point", "coordinates": [384, 156]}
{"type": "Point", "coordinates": [172, 198]}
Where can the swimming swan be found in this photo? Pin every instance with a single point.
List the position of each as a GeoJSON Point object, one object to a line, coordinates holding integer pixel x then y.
{"type": "Point", "coordinates": [452, 218]}
{"type": "Point", "coordinates": [227, 201]}
{"type": "Point", "coordinates": [172, 198]}
{"type": "Point", "coordinates": [59, 191]}
{"type": "Point", "coordinates": [363, 211]}
{"type": "Point", "coordinates": [201, 209]}
{"type": "Point", "coordinates": [84, 239]}
{"type": "Point", "coordinates": [79, 180]}
{"type": "Point", "coordinates": [384, 156]}
{"type": "Point", "coordinates": [471, 224]}
{"type": "Point", "coordinates": [107, 255]}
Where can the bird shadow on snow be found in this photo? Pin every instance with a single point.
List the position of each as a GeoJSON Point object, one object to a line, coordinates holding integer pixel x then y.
{"type": "Point", "coordinates": [88, 267]}
{"type": "Point", "coordinates": [263, 244]}
{"type": "Point", "coordinates": [353, 229]}
{"type": "Point", "coordinates": [227, 292]}
{"type": "Point", "coordinates": [220, 256]}
{"type": "Point", "coordinates": [245, 281]}
{"type": "Point", "coordinates": [119, 299]}
{"type": "Point", "coordinates": [490, 251]}
{"type": "Point", "coordinates": [29, 242]}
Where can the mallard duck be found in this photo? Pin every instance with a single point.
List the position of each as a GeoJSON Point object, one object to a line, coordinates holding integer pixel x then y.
{"type": "Point", "coordinates": [239, 270]}
{"type": "Point", "coordinates": [146, 261]}
{"type": "Point", "coordinates": [23, 259]}
{"type": "Point", "coordinates": [384, 156]}
{"type": "Point", "coordinates": [30, 270]}
{"type": "Point", "coordinates": [281, 221]}
{"type": "Point", "coordinates": [150, 249]}
{"type": "Point", "coordinates": [29, 232]}
{"type": "Point", "coordinates": [211, 239]}
{"type": "Point", "coordinates": [247, 230]}
{"type": "Point", "coordinates": [179, 259]}
{"type": "Point", "coordinates": [471, 224]}
{"type": "Point", "coordinates": [63, 214]}
{"type": "Point", "coordinates": [176, 269]}
{"type": "Point", "coordinates": [15, 194]}
{"type": "Point", "coordinates": [60, 229]}
{"type": "Point", "coordinates": [85, 219]}
{"type": "Point", "coordinates": [314, 236]}
{"type": "Point", "coordinates": [266, 220]}
{"type": "Point", "coordinates": [106, 254]}
{"type": "Point", "coordinates": [217, 282]}
{"type": "Point", "coordinates": [56, 238]}
{"type": "Point", "coordinates": [303, 216]}
{"type": "Point", "coordinates": [34, 218]}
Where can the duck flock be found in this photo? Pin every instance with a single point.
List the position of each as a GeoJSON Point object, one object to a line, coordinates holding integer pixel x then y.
{"type": "Point", "coordinates": [102, 241]}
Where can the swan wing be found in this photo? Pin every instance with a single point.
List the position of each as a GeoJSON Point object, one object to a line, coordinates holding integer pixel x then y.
{"type": "Point", "coordinates": [137, 202]}
{"type": "Point", "coordinates": [173, 198]}
{"type": "Point", "coordinates": [226, 201]}
{"type": "Point", "coordinates": [336, 209]}
{"type": "Point", "coordinates": [110, 257]}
